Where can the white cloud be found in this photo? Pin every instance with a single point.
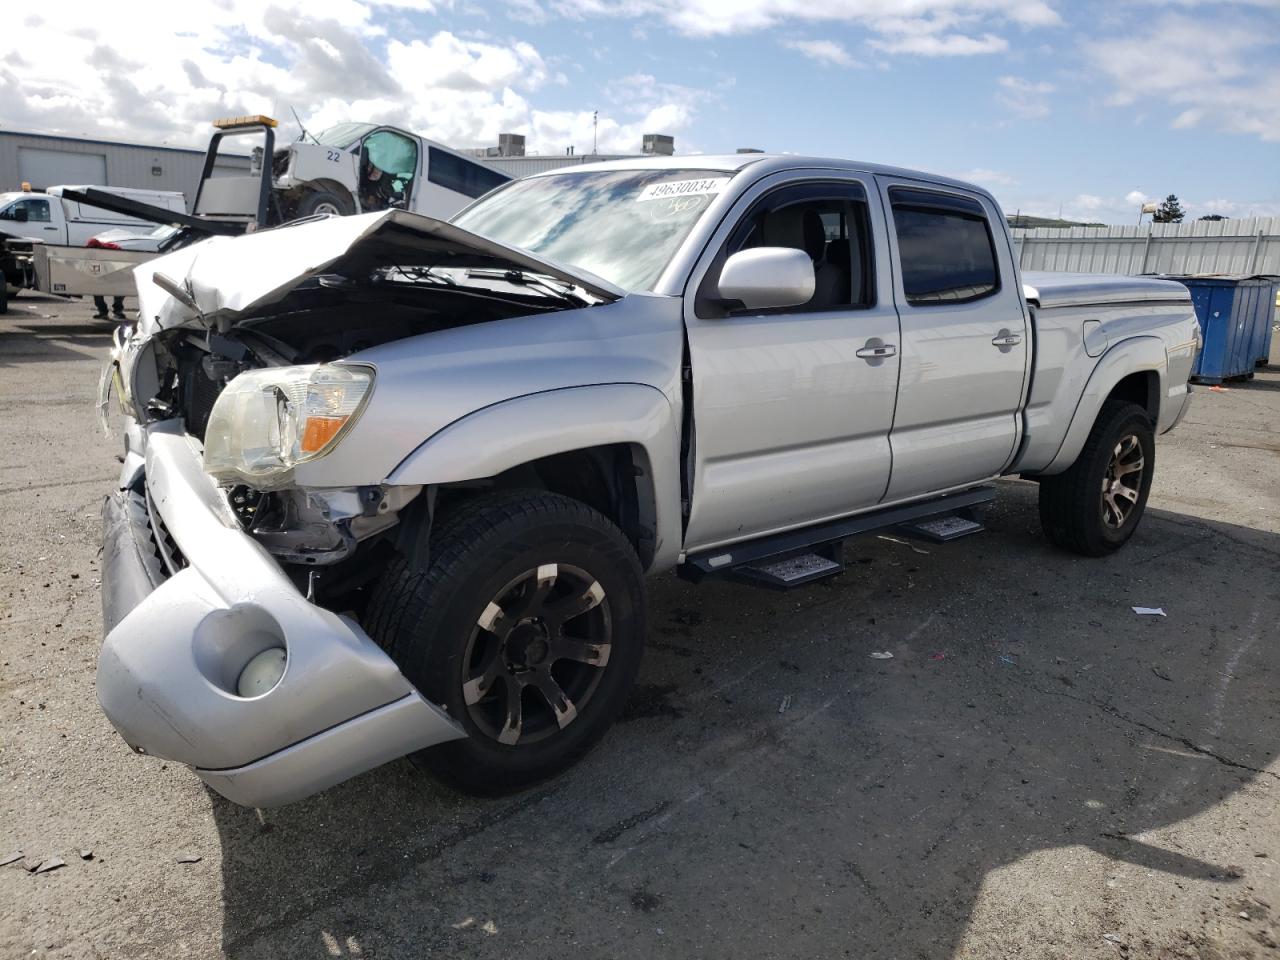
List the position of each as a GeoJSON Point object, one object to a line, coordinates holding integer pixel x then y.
{"type": "Point", "coordinates": [986, 177]}
{"type": "Point", "coordinates": [163, 76]}
{"type": "Point", "coordinates": [1209, 70]}
{"type": "Point", "coordinates": [827, 52]}
{"type": "Point", "coordinates": [908, 26]}
{"type": "Point", "coordinates": [1027, 99]}
{"type": "Point", "coordinates": [941, 45]}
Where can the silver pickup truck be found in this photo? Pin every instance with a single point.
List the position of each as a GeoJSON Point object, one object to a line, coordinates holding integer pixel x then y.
{"type": "Point", "coordinates": [392, 485]}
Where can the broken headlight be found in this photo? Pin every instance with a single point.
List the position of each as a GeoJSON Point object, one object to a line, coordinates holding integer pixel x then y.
{"type": "Point", "coordinates": [267, 421]}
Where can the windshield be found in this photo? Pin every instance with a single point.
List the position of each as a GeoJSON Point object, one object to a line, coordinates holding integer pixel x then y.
{"type": "Point", "coordinates": [622, 225]}
{"type": "Point", "coordinates": [343, 134]}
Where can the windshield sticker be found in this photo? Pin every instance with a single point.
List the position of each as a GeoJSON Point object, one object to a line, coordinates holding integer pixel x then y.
{"type": "Point", "coordinates": [705, 187]}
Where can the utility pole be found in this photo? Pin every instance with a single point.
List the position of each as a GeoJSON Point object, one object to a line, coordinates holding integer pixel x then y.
{"type": "Point", "coordinates": [595, 130]}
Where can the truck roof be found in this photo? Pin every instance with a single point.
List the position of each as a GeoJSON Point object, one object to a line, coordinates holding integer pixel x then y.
{"type": "Point", "coordinates": [767, 163]}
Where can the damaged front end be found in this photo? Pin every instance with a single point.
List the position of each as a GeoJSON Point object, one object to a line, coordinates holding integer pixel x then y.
{"type": "Point", "coordinates": [251, 351]}
{"type": "Point", "coordinates": [236, 563]}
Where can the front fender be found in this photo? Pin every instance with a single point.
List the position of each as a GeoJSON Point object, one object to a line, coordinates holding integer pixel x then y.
{"type": "Point", "coordinates": [1135, 355]}
{"type": "Point", "coordinates": [505, 435]}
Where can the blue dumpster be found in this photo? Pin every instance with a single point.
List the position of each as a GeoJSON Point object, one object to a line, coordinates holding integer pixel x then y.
{"type": "Point", "coordinates": [1236, 314]}
{"type": "Point", "coordinates": [1264, 355]}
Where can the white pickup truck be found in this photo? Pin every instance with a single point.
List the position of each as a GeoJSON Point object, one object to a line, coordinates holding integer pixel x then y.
{"type": "Point", "coordinates": [50, 219]}
{"type": "Point", "coordinates": [392, 485]}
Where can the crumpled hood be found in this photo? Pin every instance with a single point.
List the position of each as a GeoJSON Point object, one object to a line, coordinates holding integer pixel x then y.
{"type": "Point", "coordinates": [230, 277]}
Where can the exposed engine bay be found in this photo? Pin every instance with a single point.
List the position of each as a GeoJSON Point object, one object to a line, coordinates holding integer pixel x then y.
{"type": "Point", "coordinates": [329, 318]}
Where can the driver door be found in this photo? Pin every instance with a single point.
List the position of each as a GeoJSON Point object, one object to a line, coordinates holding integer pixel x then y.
{"type": "Point", "coordinates": [792, 407]}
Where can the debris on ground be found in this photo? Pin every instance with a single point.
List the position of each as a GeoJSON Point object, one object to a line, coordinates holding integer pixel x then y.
{"type": "Point", "coordinates": [938, 656]}
{"type": "Point", "coordinates": [905, 543]}
{"type": "Point", "coordinates": [1005, 658]}
{"type": "Point", "coordinates": [1113, 938]}
{"type": "Point", "coordinates": [786, 702]}
{"type": "Point", "coordinates": [881, 655]}
{"type": "Point", "coordinates": [1150, 611]}
{"type": "Point", "coordinates": [9, 858]}
{"type": "Point", "coordinates": [53, 863]}
{"type": "Point", "coordinates": [189, 858]}
{"type": "Point", "coordinates": [1161, 674]}
{"type": "Point", "coordinates": [86, 854]}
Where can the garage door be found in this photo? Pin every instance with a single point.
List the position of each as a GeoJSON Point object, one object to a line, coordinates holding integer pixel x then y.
{"type": "Point", "coordinates": [49, 168]}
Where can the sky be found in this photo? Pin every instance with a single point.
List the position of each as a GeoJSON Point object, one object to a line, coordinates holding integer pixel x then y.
{"type": "Point", "coordinates": [1081, 108]}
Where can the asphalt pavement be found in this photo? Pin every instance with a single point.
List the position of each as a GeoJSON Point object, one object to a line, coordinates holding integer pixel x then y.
{"type": "Point", "coordinates": [1036, 772]}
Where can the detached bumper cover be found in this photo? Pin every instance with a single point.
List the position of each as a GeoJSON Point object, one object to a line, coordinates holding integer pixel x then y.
{"type": "Point", "coordinates": [169, 664]}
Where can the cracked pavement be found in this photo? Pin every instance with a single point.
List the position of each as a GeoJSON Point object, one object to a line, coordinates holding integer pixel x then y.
{"type": "Point", "coordinates": [1038, 772]}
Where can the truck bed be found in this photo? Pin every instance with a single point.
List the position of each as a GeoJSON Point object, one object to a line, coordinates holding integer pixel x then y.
{"type": "Point", "coordinates": [1077, 289]}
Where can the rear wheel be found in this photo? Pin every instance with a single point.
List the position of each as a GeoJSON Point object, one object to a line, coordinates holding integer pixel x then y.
{"type": "Point", "coordinates": [527, 626]}
{"type": "Point", "coordinates": [1094, 506]}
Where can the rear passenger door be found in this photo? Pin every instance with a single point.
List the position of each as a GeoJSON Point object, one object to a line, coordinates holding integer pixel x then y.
{"type": "Point", "coordinates": [964, 342]}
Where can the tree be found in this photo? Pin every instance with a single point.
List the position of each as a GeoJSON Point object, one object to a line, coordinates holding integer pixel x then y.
{"type": "Point", "coordinates": [1214, 216]}
{"type": "Point", "coordinates": [1170, 210]}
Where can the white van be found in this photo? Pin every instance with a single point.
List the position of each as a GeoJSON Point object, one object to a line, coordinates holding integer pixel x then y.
{"type": "Point", "coordinates": [49, 218]}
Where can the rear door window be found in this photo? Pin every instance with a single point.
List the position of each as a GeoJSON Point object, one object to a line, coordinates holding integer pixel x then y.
{"type": "Point", "coordinates": [945, 247]}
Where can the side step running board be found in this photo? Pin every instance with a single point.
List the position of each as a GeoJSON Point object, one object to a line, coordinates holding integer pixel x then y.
{"type": "Point", "coordinates": [811, 553]}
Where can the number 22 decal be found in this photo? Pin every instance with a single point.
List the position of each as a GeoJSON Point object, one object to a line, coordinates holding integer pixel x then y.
{"type": "Point", "coordinates": [332, 155]}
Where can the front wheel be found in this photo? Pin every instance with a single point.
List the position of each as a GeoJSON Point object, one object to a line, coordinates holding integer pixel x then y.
{"type": "Point", "coordinates": [1094, 506]}
{"type": "Point", "coordinates": [324, 203]}
{"type": "Point", "coordinates": [527, 626]}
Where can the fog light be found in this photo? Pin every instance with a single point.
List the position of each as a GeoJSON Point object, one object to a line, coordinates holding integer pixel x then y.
{"type": "Point", "coordinates": [262, 672]}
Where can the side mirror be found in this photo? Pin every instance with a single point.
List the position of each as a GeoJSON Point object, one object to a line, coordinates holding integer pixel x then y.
{"type": "Point", "coordinates": [20, 214]}
{"type": "Point", "coordinates": [767, 277]}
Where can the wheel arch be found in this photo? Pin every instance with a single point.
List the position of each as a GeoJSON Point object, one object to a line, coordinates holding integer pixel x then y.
{"type": "Point", "coordinates": [612, 446]}
{"type": "Point", "coordinates": [1133, 370]}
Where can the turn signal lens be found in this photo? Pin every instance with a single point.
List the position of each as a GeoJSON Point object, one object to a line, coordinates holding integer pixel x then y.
{"type": "Point", "coordinates": [319, 432]}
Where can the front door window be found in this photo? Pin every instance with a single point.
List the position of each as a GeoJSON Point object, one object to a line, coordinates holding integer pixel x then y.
{"type": "Point", "coordinates": [388, 163]}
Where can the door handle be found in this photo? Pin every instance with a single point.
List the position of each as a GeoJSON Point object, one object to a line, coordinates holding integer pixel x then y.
{"type": "Point", "coordinates": [877, 353]}
{"type": "Point", "coordinates": [1006, 340]}
{"type": "Point", "coordinates": [51, 228]}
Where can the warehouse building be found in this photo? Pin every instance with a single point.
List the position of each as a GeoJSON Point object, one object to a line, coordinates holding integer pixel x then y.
{"type": "Point", "coordinates": [45, 161]}
{"type": "Point", "coordinates": [509, 155]}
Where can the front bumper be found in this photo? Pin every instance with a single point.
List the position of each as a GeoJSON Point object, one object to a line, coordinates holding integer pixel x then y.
{"type": "Point", "coordinates": [188, 599]}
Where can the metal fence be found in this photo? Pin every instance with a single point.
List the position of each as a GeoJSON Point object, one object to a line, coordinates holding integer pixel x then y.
{"type": "Point", "coordinates": [1249, 246]}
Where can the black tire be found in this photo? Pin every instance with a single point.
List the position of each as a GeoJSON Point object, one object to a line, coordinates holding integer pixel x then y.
{"type": "Point", "coordinates": [325, 201]}
{"type": "Point", "coordinates": [431, 622]}
{"type": "Point", "coordinates": [4, 299]}
{"type": "Point", "coordinates": [1080, 508]}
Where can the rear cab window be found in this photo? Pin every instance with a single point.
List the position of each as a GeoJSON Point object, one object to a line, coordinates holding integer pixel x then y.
{"type": "Point", "coordinates": [945, 247]}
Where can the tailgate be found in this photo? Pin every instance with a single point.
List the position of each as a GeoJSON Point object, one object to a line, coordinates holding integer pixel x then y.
{"type": "Point", "coordinates": [87, 271]}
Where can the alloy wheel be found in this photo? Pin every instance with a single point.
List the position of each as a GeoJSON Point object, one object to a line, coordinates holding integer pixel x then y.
{"type": "Point", "coordinates": [536, 654]}
{"type": "Point", "coordinates": [1122, 481]}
